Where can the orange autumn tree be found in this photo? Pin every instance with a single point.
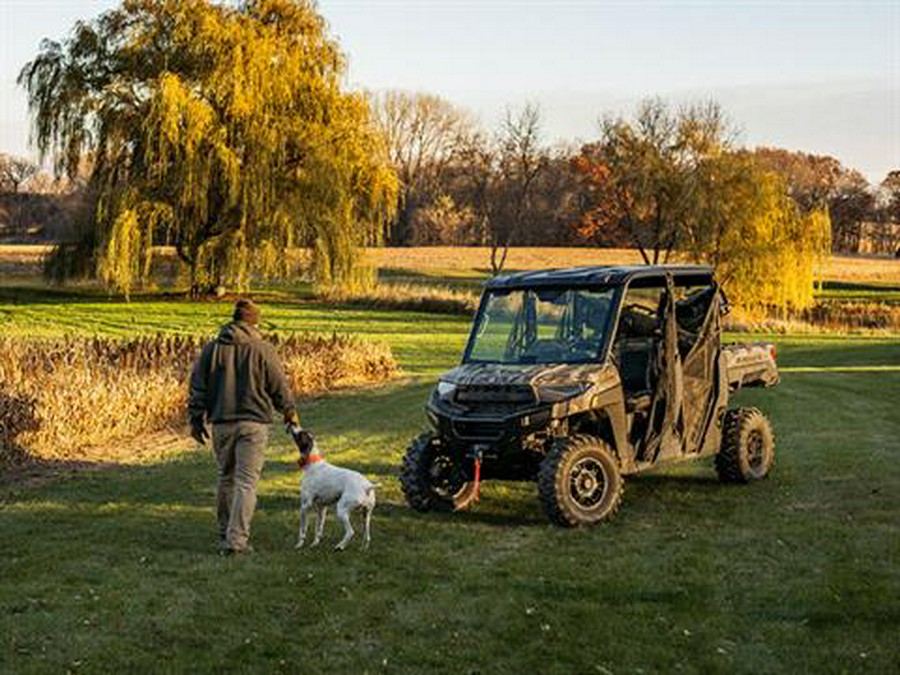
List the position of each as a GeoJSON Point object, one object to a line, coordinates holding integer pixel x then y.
{"type": "Point", "coordinates": [639, 175]}
{"type": "Point", "coordinates": [602, 222]}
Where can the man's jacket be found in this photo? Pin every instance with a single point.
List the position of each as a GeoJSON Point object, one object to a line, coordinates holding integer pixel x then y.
{"type": "Point", "coordinates": [238, 376]}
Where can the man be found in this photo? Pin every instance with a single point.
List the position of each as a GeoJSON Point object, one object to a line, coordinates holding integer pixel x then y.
{"type": "Point", "coordinates": [237, 383]}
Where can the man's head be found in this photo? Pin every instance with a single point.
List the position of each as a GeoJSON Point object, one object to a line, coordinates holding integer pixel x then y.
{"type": "Point", "coordinates": [247, 311]}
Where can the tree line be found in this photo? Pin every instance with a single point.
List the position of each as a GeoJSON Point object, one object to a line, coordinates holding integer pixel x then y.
{"type": "Point", "coordinates": [475, 180]}
{"type": "Point", "coordinates": [224, 130]}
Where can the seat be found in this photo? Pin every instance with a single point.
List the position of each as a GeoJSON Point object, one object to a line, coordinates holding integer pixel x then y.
{"type": "Point", "coordinates": [635, 359]}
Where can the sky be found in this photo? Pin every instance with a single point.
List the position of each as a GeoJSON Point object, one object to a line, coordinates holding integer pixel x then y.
{"type": "Point", "coordinates": [822, 77]}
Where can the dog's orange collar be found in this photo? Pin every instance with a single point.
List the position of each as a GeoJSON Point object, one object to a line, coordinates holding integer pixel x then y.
{"type": "Point", "coordinates": [311, 459]}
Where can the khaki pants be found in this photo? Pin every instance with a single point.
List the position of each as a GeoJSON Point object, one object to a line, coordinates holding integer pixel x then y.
{"type": "Point", "coordinates": [240, 453]}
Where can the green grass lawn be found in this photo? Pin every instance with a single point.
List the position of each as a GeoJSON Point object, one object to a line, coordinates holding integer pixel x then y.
{"type": "Point", "coordinates": [114, 570]}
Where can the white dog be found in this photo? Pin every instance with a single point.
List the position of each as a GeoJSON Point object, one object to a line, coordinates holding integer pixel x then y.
{"type": "Point", "coordinates": [324, 485]}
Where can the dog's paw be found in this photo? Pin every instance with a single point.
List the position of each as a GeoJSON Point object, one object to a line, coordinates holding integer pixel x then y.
{"type": "Point", "coordinates": [314, 544]}
{"type": "Point", "coordinates": [340, 546]}
{"type": "Point", "coordinates": [298, 545]}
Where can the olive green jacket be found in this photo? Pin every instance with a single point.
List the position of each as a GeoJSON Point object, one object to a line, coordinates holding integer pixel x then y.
{"type": "Point", "coordinates": [239, 376]}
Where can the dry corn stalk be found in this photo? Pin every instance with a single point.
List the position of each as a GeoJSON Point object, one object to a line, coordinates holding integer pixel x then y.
{"type": "Point", "coordinates": [58, 397]}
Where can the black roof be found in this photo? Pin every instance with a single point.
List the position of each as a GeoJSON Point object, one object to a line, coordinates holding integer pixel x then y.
{"type": "Point", "coordinates": [613, 275]}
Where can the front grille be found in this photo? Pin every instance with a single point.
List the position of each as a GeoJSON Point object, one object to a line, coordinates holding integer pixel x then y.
{"type": "Point", "coordinates": [495, 393]}
{"type": "Point", "coordinates": [478, 429]}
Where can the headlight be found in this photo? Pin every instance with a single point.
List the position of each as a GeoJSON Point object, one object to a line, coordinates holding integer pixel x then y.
{"type": "Point", "coordinates": [445, 389]}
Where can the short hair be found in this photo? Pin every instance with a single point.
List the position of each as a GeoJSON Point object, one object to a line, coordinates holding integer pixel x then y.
{"type": "Point", "coordinates": [247, 311]}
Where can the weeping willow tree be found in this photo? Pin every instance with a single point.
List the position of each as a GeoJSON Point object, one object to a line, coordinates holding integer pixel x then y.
{"type": "Point", "coordinates": [743, 222]}
{"type": "Point", "coordinates": [219, 129]}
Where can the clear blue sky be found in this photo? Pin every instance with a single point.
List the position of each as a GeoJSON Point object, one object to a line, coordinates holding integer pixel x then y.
{"type": "Point", "coordinates": [817, 76]}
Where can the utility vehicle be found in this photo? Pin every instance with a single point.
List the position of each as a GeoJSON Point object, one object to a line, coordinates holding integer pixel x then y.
{"type": "Point", "coordinates": [575, 378]}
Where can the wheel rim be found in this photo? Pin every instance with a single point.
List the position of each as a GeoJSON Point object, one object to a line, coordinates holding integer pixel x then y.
{"type": "Point", "coordinates": [587, 483]}
{"type": "Point", "coordinates": [756, 452]}
{"type": "Point", "coordinates": [445, 476]}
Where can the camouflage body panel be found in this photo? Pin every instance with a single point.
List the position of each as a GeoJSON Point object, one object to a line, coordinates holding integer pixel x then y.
{"type": "Point", "coordinates": [750, 364]}
{"type": "Point", "coordinates": [501, 405]}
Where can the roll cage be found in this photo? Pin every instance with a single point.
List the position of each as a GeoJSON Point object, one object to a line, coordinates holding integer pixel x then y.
{"type": "Point", "coordinates": [690, 312]}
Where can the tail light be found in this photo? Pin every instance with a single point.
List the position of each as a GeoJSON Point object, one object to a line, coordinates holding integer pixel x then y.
{"type": "Point", "coordinates": [773, 351]}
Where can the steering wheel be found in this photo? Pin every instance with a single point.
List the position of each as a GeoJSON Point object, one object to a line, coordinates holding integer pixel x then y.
{"type": "Point", "coordinates": [638, 308]}
{"type": "Point", "coordinates": [632, 313]}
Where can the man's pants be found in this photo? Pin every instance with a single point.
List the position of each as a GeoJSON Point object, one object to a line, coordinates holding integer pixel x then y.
{"type": "Point", "coordinates": [240, 452]}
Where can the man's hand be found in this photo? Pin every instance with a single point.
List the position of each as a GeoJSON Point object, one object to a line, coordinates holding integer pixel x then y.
{"type": "Point", "coordinates": [293, 428]}
{"type": "Point", "coordinates": [291, 418]}
{"type": "Point", "coordinates": [198, 430]}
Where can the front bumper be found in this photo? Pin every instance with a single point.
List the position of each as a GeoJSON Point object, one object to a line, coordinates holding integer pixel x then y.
{"type": "Point", "coordinates": [497, 431]}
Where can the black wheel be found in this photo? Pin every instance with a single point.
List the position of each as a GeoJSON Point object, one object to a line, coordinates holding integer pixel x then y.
{"type": "Point", "coordinates": [432, 479]}
{"type": "Point", "coordinates": [579, 482]}
{"type": "Point", "coordinates": [748, 446]}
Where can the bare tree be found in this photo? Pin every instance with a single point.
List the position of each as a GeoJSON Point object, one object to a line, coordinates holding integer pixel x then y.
{"type": "Point", "coordinates": [423, 133]}
{"type": "Point", "coordinates": [890, 192]}
{"type": "Point", "coordinates": [520, 161]}
{"type": "Point", "coordinates": [889, 211]}
{"type": "Point", "coordinates": [474, 180]}
{"type": "Point", "coordinates": [14, 172]}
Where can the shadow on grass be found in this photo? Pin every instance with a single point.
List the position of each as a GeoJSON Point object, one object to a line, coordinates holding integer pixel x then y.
{"type": "Point", "coordinates": [481, 516]}
{"type": "Point", "coordinates": [52, 295]}
{"type": "Point", "coordinates": [407, 275]}
{"type": "Point", "coordinates": [704, 477]}
{"type": "Point", "coordinates": [854, 286]}
{"type": "Point", "coordinates": [31, 294]}
{"type": "Point", "coordinates": [827, 353]}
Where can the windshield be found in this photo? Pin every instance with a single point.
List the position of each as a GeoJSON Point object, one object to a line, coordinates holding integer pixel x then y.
{"type": "Point", "coordinates": [550, 325]}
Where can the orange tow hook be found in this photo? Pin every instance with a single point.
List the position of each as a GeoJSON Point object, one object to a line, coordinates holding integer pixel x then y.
{"type": "Point", "coordinates": [477, 460]}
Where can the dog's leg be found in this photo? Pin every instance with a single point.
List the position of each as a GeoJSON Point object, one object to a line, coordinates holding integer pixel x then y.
{"type": "Point", "coordinates": [368, 521]}
{"type": "Point", "coordinates": [301, 535]}
{"type": "Point", "coordinates": [320, 524]}
{"type": "Point", "coordinates": [343, 514]}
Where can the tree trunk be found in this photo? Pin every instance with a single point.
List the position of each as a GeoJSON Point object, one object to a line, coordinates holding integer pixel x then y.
{"type": "Point", "coordinates": [497, 265]}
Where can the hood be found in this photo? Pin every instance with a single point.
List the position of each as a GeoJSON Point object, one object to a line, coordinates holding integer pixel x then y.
{"type": "Point", "coordinates": [547, 382]}
{"type": "Point", "coordinates": [237, 332]}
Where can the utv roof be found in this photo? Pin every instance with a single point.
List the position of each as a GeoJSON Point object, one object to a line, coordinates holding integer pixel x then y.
{"type": "Point", "coordinates": [600, 275]}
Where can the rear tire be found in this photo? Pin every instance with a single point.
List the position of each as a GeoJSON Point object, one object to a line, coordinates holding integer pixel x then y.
{"type": "Point", "coordinates": [579, 482]}
{"type": "Point", "coordinates": [432, 479]}
{"type": "Point", "coordinates": [748, 447]}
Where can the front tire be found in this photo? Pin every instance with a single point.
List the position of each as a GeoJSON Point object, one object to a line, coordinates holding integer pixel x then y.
{"type": "Point", "coordinates": [579, 482]}
{"type": "Point", "coordinates": [432, 479]}
{"type": "Point", "coordinates": [748, 447]}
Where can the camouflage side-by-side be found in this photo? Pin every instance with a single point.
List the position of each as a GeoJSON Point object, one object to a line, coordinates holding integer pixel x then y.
{"type": "Point", "coordinates": [576, 378]}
